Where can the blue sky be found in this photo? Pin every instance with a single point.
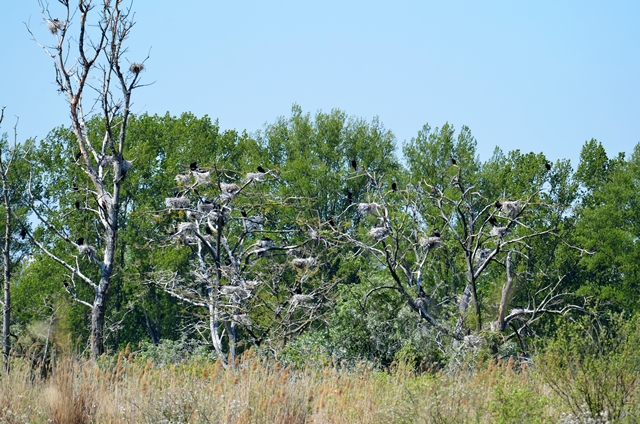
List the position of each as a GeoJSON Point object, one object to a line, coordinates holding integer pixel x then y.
{"type": "Point", "coordinates": [543, 76]}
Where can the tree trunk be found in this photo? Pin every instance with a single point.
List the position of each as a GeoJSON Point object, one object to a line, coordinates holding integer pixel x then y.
{"type": "Point", "coordinates": [6, 321]}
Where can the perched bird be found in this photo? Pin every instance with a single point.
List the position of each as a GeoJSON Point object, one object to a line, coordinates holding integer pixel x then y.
{"type": "Point", "coordinates": [23, 233]}
{"type": "Point", "coordinates": [208, 230]}
{"type": "Point", "coordinates": [75, 187]}
{"type": "Point", "coordinates": [243, 212]}
{"type": "Point", "coordinates": [193, 166]}
{"type": "Point", "coordinates": [261, 169]}
{"type": "Point", "coordinates": [78, 154]}
{"type": "Point", "coordinates": [354, 164]}
{"type": "Point", "coordinates": [435, 233]}
{"type": "Point", "coordinates": [548, 166]}
{"type": "Point", "coordinates": [498, 205]}
{"type": "Point", "coordinates": [394, 186]}
{"type": "Point", "coordinates": [349, 196]}
{"type": "Point", "coordinates": [493, 221]}
{"type": "Point", "coordinates": [77, 204]}
{"type": "Point", "coordinates": [452, 160]}
{"type": "Point", "coordinates": [80, 241]}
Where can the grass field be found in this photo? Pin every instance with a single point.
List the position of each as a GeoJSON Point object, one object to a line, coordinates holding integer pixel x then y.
{"type": "Point", "coordinates": [125, 389]}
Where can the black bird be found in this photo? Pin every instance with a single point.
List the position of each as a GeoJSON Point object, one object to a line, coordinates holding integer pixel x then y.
{"type": "Point", "coordinates": [498, 205]}
{"type": "Point", "coordinates": [77, 204]}
{"type": "Point", "coordinates": [243, 212]}
{"type": "Point", "coordinates": [193, 166]}
{"type": "Point", "coordinates": [75, 187]}
{"type": "Point", "coordinates": [332, 223]}
{"type": "Point", "coordinates": [452, 160]}
{"type": "Point", "coordinates": [548, 166]}
{"type": "Point", "coordinates": [354, 164]}
{"type": "Point", "coordinates": [394, 186]}
{"type": "Point", "coordinates": [493, 221]}
{"type": "Point", "coordinates": [261, 169]}
{"type": "Point", "coordinates": [208, 230]}
{"type": "Point", "coordinates": [298, 289]}
{"type": "Point", "coordinates": [78, 154]}
{"type": "Point", "coordinates": [23, 233]}
{"type": "Point", "coordinates": [66, 283]}
{"type": "Point", "coordinates": [436, 233]}
{"type": "Point", "coordinates": [349, 196]}
{"type": "Point", "coordinates": [80, 241]}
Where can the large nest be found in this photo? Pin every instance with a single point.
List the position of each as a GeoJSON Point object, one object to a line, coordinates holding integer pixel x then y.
{"type": "Point", "coordinates": [235, 291]}
{"type": "Point", "coordinates": [136, 68]}
{"type": "Point", "coordinates": [379, 233]}
{"type": "Point", "coordinates": [370, 208]}
{"type": "Point", "coordinates": [55, 25]}
{"type": "Point", "coordinates": [255, 176]}
{"type": "Point", "coordinates": [299, 299]}
{"type": "Point", "coordinates": [482, 255]}
{"type": "Point", "coordinates": [499, 232]}
{"type": "Point", "coordinates": [229, 189]}
{"type": "Point", "coordinates": [185, 227]}
{"type": "Point", "coordinates": [303, 263]}
{"type": "Point", "coordinates": [430, 242]}
{"type": "Point", "coordinates": [106, 160]}
{"type": "Point", "coordinates": [87, 250]}
{"type": "Point", "coordinates": [253, 222]}
{"type": "Point", "coordinates": [177, 202]}
{"type": "Point", "coordinates": [265, 243]}
{"type": "Point", "coordinates": [201, 177]}
{"type": "Point", "coordinates": [206, 207]}
{"type": "Point", "coordinates": [183, 179]}
{"type": "Point", "coordinates": [511, 207]}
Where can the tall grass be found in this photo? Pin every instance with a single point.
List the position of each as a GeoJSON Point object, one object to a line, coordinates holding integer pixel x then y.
{"type": "Point", "coordinates": [124, 389]}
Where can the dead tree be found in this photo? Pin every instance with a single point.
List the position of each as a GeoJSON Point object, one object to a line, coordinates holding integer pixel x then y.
{"type": "Point", "coordinates": [253, 266]}
{"type": "Point", "coordinates": [414, 231]}
{"type": "Point", "coordinates": [90, 60]}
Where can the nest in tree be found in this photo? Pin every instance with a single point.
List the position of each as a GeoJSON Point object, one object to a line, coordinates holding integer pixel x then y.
{"type": "Point", "coordinates": [250, 284]}
{"type": "Point", "coordinates": [314, 235]}
{"type": "Point", "coordinates": [177, 202]}
{"type": "Point", "coordinates": [482, 255]}
{"type": "Point", "coordinates": [201, 177]}
{"type": "Point", "coordinates": [205, 208]}
{"type": "Point", "coordinates": [235, 291]}
{"type": "Point", "coordinates": [241, 319]}
{"type": "Point", "coordinates": [253, 222]}
{"type": "Point", "coordinates": [87, 250]}
{"type": "Point", "coordinates": [229, 189]}
{"type": "Point", "coordinates": [183, 179]}
{"type": "Point", "coordinates": [184, 227]}
{"type": "Point", "coordinates": [106, 160]}
{"type": "Point", "coordinates": [499, 232]}
{"type": "Point", "coordinates": [429, 242]}
{"type": "Point", "coordinates": [194, 215]}
{"type": "Point", "coordinates": [298, 299]}
{"type": "Point", "coordinates": [55, 25]}
{"type": "Point", "coordinates": [126, 166]}
{"type": "Point", "coordinates": [255, 176]}
{"type": "Point", "coordinates": [303, 263]}
{"type": "Point", "coordinates": [379, 233]}
{"type": "Point", "coordinates": [265, 243]}
{"type": "Point", "coordinates": [136, 67]}
{"type": "Point", "coordinates": [511, 207]}
{"type": "Point", "coordinates": [370, 208]}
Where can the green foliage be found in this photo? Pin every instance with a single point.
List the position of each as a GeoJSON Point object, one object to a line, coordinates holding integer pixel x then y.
{"type": "Point", "coordinates": [593, 368]}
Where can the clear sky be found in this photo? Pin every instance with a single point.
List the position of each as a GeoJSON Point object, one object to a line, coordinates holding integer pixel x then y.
{"type": "Point", "coordinates": [541, 76]}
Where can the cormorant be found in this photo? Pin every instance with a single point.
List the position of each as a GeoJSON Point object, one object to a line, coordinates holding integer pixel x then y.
{"type": "Point", "coordinates": [208, 230]}
{"type": "Point", "coordinates": [80, 241]}
{"type": "Point", "coordinates": [23, 233]}
{"type": "Point", "coordinates": [349, 196]}
{"type": "Point", "coordinates": [354, 164]}
{"type": "Point", "coordinates": [193, 166]}
{"type": "Point", "coordinates": [77, 204]}
{"type": "Point", "coordinates": [261, 169]}
{"type": "Point", "coordinates": [493, 221]}
{"type": "Point", "coordinates": [243, 212]}
{"type": "Point", "coordinates": [436, 233]}
{"type": "Point", "coordinates": [394, 186]}
{"type": "Point", "coordinates": [75, 187]}
{"type": "Point", "coordinates": [498, 205]}
{"type": "Point", "coordinates": [453, 161]}
{"type": "Point", "coordinates": [548, 166]}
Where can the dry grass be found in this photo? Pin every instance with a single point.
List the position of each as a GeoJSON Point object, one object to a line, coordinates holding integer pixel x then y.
{"type": "Point", "coordinates": [126, 390]}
